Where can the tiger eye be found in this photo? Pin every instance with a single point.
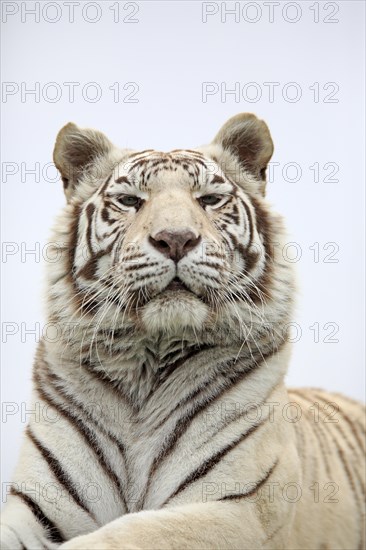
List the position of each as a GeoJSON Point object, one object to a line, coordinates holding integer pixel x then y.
{"type": "Point", "coordinates": [129, 200]}
{"type": "Point", "coordinates": [209, 200]}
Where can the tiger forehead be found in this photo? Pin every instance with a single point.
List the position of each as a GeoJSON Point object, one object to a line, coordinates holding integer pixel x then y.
{"type": "Point", "coordinates": [180, 165]}
{"type": "Point", "coordinates": [167, 161]}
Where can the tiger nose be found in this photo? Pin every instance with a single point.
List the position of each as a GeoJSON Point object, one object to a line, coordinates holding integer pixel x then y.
{"type": "Point", "coordinates": [174, 244]}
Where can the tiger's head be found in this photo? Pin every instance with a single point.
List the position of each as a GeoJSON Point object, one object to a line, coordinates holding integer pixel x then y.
{"type": "Point", "coordinates": [171, 243]}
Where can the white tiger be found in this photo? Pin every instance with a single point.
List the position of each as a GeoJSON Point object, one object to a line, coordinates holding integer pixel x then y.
{"type": "Point", "coordinates": [165, 422]}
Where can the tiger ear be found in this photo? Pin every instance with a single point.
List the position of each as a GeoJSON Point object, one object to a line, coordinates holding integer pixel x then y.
{"type": "Point", "coordinates": [76, 149]}
{"type": "Point", "coordinates": [248, 139]}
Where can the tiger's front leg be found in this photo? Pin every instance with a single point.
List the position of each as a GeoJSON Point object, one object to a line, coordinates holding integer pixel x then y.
{"type": "Point", "coordinates": [258, 518]}
{"type": "Point", "coordinates": [214, 525]}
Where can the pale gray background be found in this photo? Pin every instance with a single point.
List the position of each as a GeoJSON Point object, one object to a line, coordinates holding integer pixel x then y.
{"type": "Point", "coordinates": [169, 52]}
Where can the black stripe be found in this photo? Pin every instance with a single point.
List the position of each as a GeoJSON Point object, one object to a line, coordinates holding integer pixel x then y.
{"type": "Point", "coordinates": [90, 209]}
{"type": "Point", "coordinates": [211, 462]}
{"type": "Point", "coordinates": [186, 420]}
{"type": "Point", "coordinates": [83, 430]}
{"type": "Point", "coordinates": [168, 369]}
{"type": "Point", "coordinates": [264, 227]}
{"type": "Point", "coordinates": [123, 179]}
{"type": "Point", "coordinates": [231, 373]}
{"type": "Point", "coordinates": [250, 219]}
{"type": "Point", "coordinates": [257, 486]}
{"type": "Point", "coordinates": [234, 242]}
{"type": "Point", "coordinates": [72, 245]}
{"type": "Point", "coordinates": [230, 218]}
{"type": "Point", "coordinates": [228, 381]}
{"type": "Point", "coordinates": [347, 420]}
{"type": "Point", "coordinates": [55, 382]}
{"type": "Point", "coordinates": [198, 406]}
{"type": "Point", "coordinates": [133, 267]}
{"type": "Point", "coordinates": [360, 482]}
{"type": "Point", "coordinates": [337, 427]}
{"type": "Point", "coordinates": [154, 162]}
{"type": "Point", "coordinates": [53, 532]}
{"type": "Point", "coordinates": [309, 460]}
{"type": "Point", "coordinates": [110, 383]}
{"type": "Point", "coordinates": [195, 161]}
{"type": "Point", "coordinates": [351, 481]}
{"type": "Point", "coordinates": [352, 426]}
{"type": "Point", "coordinates": [139, 162]}
{"type": "Point", "coordinates": [102, 189]}
{"type": "Point", "coordinates": [88, 271]}
{"type": "Point", "coordinates": [217, 179]}
{"type": "Point", "coordinates": [321, 438]}
{"type": "Point", "coordinates": [58, 471]}
{"type": "Point", "coordinates": [348, 473]}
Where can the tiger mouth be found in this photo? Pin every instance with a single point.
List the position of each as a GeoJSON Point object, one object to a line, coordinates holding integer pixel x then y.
{"type": "Point", "coordinates": [177, 284]}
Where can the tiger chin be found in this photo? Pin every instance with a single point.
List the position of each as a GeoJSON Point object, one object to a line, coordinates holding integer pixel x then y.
{"type": "Point", "coordinates": [164, 421]}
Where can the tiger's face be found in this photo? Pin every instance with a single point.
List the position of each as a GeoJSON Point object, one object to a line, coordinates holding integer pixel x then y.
{"type": "Point", "coordinates": [176, 234]}
{"type": "Point", "coordinates": [169, 241]}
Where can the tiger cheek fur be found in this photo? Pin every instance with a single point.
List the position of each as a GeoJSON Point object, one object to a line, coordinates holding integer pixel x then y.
{"type": "Point", "coordinates": [162, 402]}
